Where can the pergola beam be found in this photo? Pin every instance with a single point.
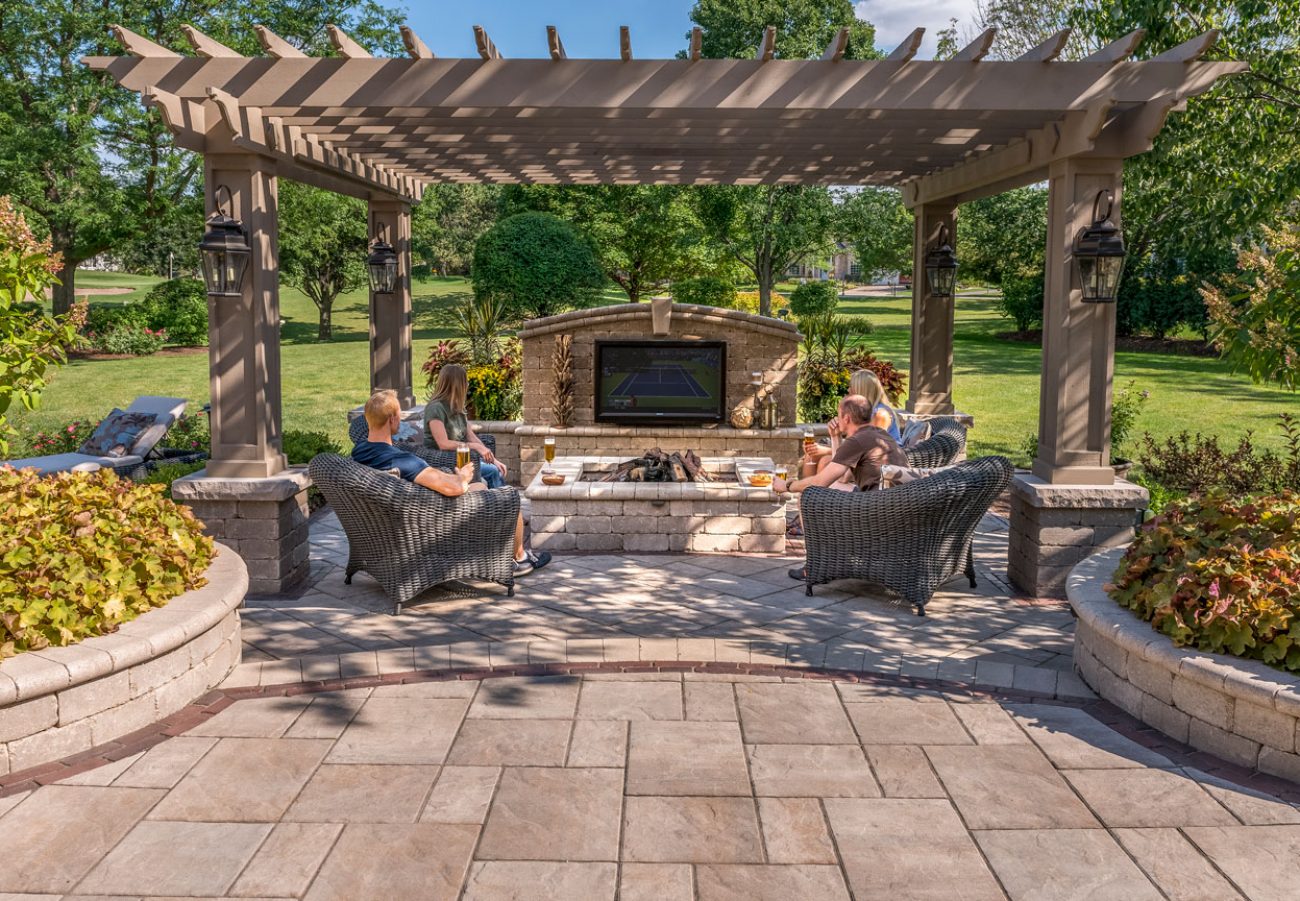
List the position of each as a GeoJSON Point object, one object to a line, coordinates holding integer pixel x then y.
{"type": "Point", "coordinates": [906, 50]}
{"type": "Point", "coordinates": [1048, 50]}
{"type": "Point", "coordinates": [554, 44]}
{"type": "Point", "coordinates": [1119, 50]}
{"type": "Point", "coordinates": [486, 49]}
{"type": "Point", "coordinates": [1189, 51]}
{"type": "Point", "coordinates": [344, 45]}
{"type": "Point", "coordinates": [624, 43]}
{"type": "Point", "coordinates": [276, 46]}
{"type": "Point", "coordinates": [141, 46]}
{"type": "Point", "coordinates": [206, 46]}
{"type": "Point", "coordinates": [977, 49]}
{"type": "Point", "coordinates": [697, 39]}
{"type": "Point", "coordinates": [415, 48]}
{"type": "Point", "coordinates": [767, 45]}
{"type": "Point", "coordinates": [835, 50]}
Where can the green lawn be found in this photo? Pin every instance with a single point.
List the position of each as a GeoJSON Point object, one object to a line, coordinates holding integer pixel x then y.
{"type": "Point", "coordinates": [139, 285]}
{"type": "Point", "coordinates": [995, 380]}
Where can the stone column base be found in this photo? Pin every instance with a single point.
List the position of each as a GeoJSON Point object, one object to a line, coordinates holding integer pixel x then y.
{"type": "Point", "coordinates": [1055, 526]}
{"type": "Point", "coordinates": [262, 520]}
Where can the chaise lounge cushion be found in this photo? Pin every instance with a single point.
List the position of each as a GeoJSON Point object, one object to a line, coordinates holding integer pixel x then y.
{"type": "Point", "coordinates": [65, 462]}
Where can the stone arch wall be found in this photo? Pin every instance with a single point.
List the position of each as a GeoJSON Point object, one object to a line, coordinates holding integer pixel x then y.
{"type": "Point", "coordinates": [754, 344]}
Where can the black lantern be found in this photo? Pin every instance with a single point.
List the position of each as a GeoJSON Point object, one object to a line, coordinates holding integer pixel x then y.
{"type": "Point", "coordinates": [941, 266]}
{"type": "Point", "coordinates": [1099, 254]}
{"type": "Point", "coordinates": [224, 252]}
{"type": "Point", "coordinates": [382, 265]}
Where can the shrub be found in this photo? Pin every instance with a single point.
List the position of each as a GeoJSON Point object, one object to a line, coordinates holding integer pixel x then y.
{"type": "Point", "coordinates": [166, 473]}
{"type": "Point", "coordinates": [536, 264]}
{"type": "Point", "coordinates": [1022, 300]}
{"type": "Point", "coordinates": [63, 440]}
{"type": "Point", "coordinates": [440, 355]}
{"type": "Point", "coordinates": [300, 446]}
{"type": "Point", "coordinates": [103, 318]}
{"type": "Point", "coordinates": [816, 298]}
{"type": "Point", "coordinates": [821, 385]}
{"type": "Point", "coordinates": [138, 341]}
{"type": "Point", "coordinates": [479, 323]}
{"type": "Point", "coordinates": [1196, 465]}
{"type": "Point", "coordinates": [892, 379]}
{"type": "Point", "coordinates": [1125, 409]}
{"type": "Point", "coordinates": [1158, 305]}
{"type": "Point", "coordinates": [750, 302]}
{"type": "Point", "coordinates": [190, 432]}
{"type": "Point", "coordinates": [179, 307]}
{"type": "Point", "coordinates": [86, 552]}
{"type": "Point", "coordinates": [1220, 574]}
{"type": "Point", "coordinates": [706, 291]}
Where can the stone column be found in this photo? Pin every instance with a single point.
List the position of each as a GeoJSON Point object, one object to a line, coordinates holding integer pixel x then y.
{"type": "Point", "coordinates": [244, 331]}
{"type": "Point", "coordinates": [390, 314]}
{"type": "Point", "coordinates": [930, 379]}
{"type": "Point", "coordinates": [1072, 504]}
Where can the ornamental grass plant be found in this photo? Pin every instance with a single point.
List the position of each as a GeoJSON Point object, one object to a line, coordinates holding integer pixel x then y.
{"type": "Point", "coordinates": [82, 553]}
{"type": "Point", "coordinates": [1220, 574]}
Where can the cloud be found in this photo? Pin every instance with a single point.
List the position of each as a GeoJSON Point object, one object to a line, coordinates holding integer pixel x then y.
{"type": "Point", "coordinates": [894, 21]}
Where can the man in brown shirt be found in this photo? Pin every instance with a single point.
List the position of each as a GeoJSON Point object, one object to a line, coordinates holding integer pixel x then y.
{"type": "Point", "coordinates": [860, 453]}
{"type": "Point", "coordinates": [862, 450]}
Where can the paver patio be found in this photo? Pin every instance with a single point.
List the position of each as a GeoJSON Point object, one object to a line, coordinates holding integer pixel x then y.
{"type": "Point", "coordinates": [390, 792]}
{"type": "Point", "coordinates": [962, 760]}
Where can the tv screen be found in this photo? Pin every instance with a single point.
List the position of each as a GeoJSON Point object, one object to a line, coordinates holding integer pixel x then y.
{"type": "Point", "coordinates": [660, 381]}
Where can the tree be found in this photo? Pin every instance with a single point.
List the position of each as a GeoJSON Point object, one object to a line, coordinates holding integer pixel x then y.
{"type": "Point", "coordinates": [536, 264]}
{"type": "Point", "coordinates": [804, 28]}
{"type": "Point", "coordinates": [879, 227]}
{"type": "Point", "coordinates": [1024, 24]}
{"type": "Point", "coordinates": [767, 228]}
{"type": "Point", "coordinates": [94, 165]}
{"type": "Point", "coordinates": [1255, 314]}
{"type": "Point", "coordinates": [323, 245]}
{"type": "Point", "coordinates": [1003, 235]}
{"type": "Point", "coordinates": [448, 221]}
{"type": "Point", "coordinates": [644, 235]}
{"type": "Point", "coordinates": [30, 341]}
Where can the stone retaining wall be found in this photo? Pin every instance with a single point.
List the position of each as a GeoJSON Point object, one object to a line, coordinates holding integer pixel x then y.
{"type": "Point", "coordinates": [63, 701]}
{"type": "Point", "coordinates": [1240, 710]}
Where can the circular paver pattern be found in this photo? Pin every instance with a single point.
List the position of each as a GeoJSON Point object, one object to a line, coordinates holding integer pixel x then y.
{"type": "Point", "coordinates": [648, 785]}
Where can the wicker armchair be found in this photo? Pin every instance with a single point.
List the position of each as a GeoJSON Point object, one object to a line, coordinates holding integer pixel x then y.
{"type": "Point", "coordinates": [911, 538]}
{"type": "Point", "coordinates": [944, 447]}
{"type": "Point", "coordinates": [438, 459]}
{"type": "Point", "coordinates": [410, 538]}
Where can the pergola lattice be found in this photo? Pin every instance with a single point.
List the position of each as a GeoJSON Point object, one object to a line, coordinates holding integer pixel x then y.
{"type": "Point", "coordinates": [943, 132]}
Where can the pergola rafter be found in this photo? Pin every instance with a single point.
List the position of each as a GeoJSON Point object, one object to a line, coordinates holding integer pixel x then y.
{"type": "Point", "coordinates": [936, 129]}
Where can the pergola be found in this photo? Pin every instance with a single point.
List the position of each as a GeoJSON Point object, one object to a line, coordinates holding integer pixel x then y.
{"type": "Point", "coordinates": [943, 132]}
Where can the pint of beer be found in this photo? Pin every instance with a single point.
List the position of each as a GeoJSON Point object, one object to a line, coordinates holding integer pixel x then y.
{"type": "Point", "coordinates": [462, 456]}
{"type": "Point", "coordinates": [809, 441]}
{"type": "Point", "coordinates": [548, 447]}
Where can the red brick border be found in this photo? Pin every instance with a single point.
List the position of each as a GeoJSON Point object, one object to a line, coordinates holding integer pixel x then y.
{"type": "Point", "coordinates": [218, 700]}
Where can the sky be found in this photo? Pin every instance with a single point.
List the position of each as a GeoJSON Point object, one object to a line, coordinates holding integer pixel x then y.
{"type": "Point", "coordinates": [589, 28]}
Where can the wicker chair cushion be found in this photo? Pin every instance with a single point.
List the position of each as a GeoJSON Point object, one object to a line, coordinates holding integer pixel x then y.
{"type": "Point", "coordinates": [117, 434]}
{"type": "Point", "coordinates": [891, 476]}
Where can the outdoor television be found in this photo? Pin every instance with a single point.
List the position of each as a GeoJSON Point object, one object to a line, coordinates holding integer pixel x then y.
{"type": "Point", "coordinates": [660, 381]}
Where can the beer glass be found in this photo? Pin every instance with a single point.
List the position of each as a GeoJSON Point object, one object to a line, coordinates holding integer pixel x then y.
{"type": "Point", "coordinates": [782, 471]}
{"type": "Point", "coordinates": [548, 448]}
{"type": "Point", "coordinates": [462, 456]}
{"type": "Point", "coordinates": [809, 441]}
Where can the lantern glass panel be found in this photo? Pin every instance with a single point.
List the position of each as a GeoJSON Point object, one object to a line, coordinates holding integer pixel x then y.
{"type": "Point", "coordinates": [942, 279]}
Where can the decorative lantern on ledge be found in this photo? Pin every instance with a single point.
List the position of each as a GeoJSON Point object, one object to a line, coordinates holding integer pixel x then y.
{"type": "Point", "coordinates": [224, 252]}
{"type": "Point", "coordinates": [1099, 254]}
{"type": "Point", "coordinates": [941, 266]}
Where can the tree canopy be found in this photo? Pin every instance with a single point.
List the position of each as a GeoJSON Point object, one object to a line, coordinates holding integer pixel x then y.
{"type": "Point", "coordinates": [878, 225]}
{"type": "Point", "coordinates": [536, 264]}
{"type": "Point", "coordinates": [323, 244]}
{"type": "Point", "coordinates": [732, 29]}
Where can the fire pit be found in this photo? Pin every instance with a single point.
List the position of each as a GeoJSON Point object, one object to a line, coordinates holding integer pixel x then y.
{"type": "Point", "coordinates": [657, 466]}
{"type": "Point", "coordinates": [719, 513]}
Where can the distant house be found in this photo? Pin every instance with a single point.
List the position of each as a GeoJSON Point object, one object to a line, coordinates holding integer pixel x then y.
{"type": "Point", "coordinates": [843, 267]}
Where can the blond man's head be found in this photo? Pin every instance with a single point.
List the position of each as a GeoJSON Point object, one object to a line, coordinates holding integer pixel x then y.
{"type": "Point", "coordinates": [382, 407]}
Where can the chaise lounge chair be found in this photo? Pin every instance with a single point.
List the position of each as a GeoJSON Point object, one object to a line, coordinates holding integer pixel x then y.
{"type": "Point", "coordinates": [166, 409]}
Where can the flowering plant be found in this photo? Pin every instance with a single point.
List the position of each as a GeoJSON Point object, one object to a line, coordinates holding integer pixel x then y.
{"type": "Point", "coordinates": [128, 338]}
{"type": "Point", "coordinates": [1220, 573]}
{"type": "Point", "coordinates": [65, 439]}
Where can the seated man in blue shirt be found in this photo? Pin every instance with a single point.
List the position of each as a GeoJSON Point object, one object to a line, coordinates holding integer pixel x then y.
{"type": "Point", "coordinates": [384, 417]}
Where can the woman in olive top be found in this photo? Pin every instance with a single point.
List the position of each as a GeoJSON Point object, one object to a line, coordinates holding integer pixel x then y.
{"type": "Point", "coordinates": [446, 426]}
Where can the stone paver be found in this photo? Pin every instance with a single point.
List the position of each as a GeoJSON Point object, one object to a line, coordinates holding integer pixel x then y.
{"type": "Point", "coordinates": [699, 786]}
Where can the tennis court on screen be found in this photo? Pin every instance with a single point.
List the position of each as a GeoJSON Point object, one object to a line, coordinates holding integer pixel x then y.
{"type": "Point", "coordinates": [662, 380]}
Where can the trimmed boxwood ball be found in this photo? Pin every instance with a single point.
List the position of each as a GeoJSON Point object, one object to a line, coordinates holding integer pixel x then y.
{"type": "Point", "coordinates": [1221, 574]}
{"type": "Point", "coordinates": [814, 299]}
{"type": "Point", "coordinates": [82, 553]}
{"type": "Point", "coordinates": [536, 264]}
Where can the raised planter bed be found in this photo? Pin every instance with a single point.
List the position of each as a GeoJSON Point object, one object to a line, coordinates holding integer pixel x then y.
{"type": "Point", "coordinates": [1241, 710]}
{"type": "Point", "coordinates": [61, 701]}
